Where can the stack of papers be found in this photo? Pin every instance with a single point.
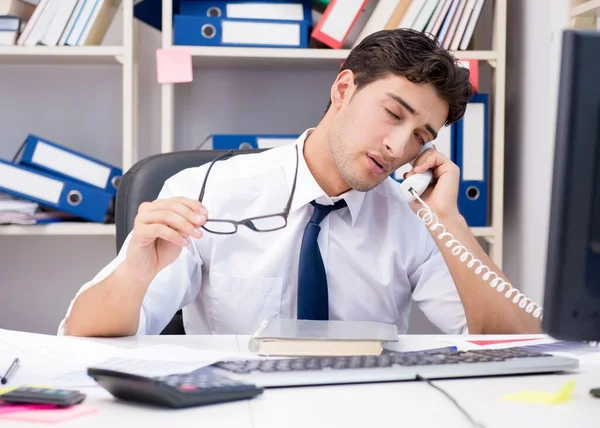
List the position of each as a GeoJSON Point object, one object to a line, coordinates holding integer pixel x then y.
{"type": "Point", "coordinates": [62, 361]}
{"type": "Point", "coordinates": [16, 211]}
{"type": "Point", "coordinates": [585, 353]}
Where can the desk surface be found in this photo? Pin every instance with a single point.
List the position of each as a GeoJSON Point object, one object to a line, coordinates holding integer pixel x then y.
{"type": "Point", "coordinates": [402, 404]}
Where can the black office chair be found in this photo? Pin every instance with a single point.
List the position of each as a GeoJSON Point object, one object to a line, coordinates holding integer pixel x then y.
{"type": "Point", "coordinates": [143, 182]}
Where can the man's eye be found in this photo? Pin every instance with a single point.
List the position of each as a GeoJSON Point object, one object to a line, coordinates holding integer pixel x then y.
{"type": "Point", "coordinates": [395, 116]}
{"type": "Point", "coordinates": [421, 139]}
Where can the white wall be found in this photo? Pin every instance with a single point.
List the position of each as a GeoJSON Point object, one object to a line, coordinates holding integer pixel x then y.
{"type": "Point", "coordinates": [534, 42]}
{"type": "Point", "coordinates": [80, 107]}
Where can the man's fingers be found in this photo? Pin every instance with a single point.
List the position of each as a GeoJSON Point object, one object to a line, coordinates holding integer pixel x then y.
{"type": "Point", "coordinates": [173, 220]}
{"type": "Point", "coordinates": [193, 205]}
{"type": "Point", "coordinates": [429, 159]}
{"type": "Point", "coordinates": [160, 231]}
{"type": "Point", "coordinates": [189, 211]}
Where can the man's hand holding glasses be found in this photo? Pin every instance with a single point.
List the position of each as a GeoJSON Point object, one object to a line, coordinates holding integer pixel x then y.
{"type": "Point", "coordinates": [161, 229]}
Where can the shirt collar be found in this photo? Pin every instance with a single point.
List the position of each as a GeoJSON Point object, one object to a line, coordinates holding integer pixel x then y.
{"type": "Point", "coordinates": [307, 188]}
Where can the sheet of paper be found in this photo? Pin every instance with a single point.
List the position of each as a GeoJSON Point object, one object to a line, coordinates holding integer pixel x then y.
{"type": "Point", "coordinates": [497, 341]}
{"type": "Point", "coordinates": [157, 360]}
{"type": "Point", "coordinates": [174, 65]}
{"type": "Point", "coordinates": [63, 361]}
{"type": "Point", "coordinates": [43, 357]}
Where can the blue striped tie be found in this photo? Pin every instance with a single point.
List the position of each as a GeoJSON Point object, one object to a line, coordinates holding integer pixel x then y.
{"type": "Point", "coordinates": [313, 300]}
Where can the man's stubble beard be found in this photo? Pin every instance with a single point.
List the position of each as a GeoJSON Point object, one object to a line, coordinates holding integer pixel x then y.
{"type": "Point", "coordinates": [337, 148]}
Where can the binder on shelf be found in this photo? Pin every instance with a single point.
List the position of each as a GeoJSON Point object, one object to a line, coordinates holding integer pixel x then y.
{"type": "Point", "coordinates": [342, 22]}
{"type": "Point", "coordinates": [271, 9]}
{"type": "Point", "coordinates": [58, 160]}
{"type": "Point", "coordinates": [54, 192]}
{"type": "Point", "coordinates": [445, 143]}
{"type": "Point", "coordinates": [150, 12]}
{"type": "Point", "coordinates": [472, 150]}
{"type": "Point", "coordinates": [239, 141]}
{"type": "Point", "coordinates": [193, 30]}
{"type": "Point", "coordinates": [473, 66]}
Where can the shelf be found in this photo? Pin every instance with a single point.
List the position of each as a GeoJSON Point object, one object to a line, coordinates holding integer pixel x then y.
{"type": "Point", "coordinates": [59, 55]}
{"type": "Point", "coordinates": [66, 228]}
{"type": "Point", "coordinates": [483, 232]}
{"type": "Point", "coordinates": [588, 8]}
{"type": "Point", "coordinates": [219, 57]}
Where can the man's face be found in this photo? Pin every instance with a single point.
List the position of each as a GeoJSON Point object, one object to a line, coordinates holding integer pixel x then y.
{"type": "Point", "coordinates": [381, 127]}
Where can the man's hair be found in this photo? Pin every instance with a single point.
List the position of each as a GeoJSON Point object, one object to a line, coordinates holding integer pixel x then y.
{"type": "Point", "coordinates": [416, 56]}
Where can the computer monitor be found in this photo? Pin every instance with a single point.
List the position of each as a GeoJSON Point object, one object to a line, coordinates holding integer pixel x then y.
{"type": "Point", "coordinates": [572, 289]}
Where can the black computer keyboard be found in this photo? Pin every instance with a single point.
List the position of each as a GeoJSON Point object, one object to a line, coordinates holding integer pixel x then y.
{"type": "Point", "coordinates": [386, 359]}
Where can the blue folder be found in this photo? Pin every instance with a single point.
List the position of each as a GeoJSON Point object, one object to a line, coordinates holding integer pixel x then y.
{"type": "Point", "coordinates": [239, 141]}
{"type": "Point", "coordinates": [218, 9]}
{"type": "Point", "coordinates": [59, 160]}
{"type": "Point", "coordinates": [190, 30]}
{"type": "Point", "coordinates": [472, 150]}
{"type": "Point", "coordinates": [150, 12]}
{"type": "Point", "coordinates": [54, 192]}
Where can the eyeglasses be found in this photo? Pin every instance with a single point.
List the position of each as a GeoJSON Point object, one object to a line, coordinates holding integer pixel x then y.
{"type": "Point", "coordinates": [264, 223]}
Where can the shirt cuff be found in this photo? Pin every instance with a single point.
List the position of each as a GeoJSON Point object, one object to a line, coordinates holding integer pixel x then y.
{"type": "Point", "coordinates": [142, 323]}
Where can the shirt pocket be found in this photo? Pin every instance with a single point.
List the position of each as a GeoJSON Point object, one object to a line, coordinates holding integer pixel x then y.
{"type": "Point", "coordinates": [238, 305]}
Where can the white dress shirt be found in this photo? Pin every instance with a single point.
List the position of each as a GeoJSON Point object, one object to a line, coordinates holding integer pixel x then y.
{"type": "Point", "coordinates": [377, 253]}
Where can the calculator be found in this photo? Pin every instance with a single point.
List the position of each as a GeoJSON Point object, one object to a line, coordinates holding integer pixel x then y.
{"type": "Point", "coordinates": [197, 388]}
{"type": "Point", "coordinates": [30, 395]}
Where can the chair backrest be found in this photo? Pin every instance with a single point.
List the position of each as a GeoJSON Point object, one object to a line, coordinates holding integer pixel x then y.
{"type": "Point", "coordinates": [144, 180]}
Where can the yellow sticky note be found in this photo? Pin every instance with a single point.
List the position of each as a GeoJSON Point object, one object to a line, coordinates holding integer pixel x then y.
{"type": "Point", "coordinates": [543, 397]}
{"type": "Point", "coordinates": [7, 389]}
{"type": "Point", "coordinates": [174, 65]}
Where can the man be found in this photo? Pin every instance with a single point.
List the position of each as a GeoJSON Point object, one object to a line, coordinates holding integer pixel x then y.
{"type": "Point", "coordinates": [364, 260]}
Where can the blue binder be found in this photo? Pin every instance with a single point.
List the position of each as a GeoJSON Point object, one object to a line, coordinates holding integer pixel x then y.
{"type": "Point", "coordinates": [59, 160]}
{"type": "Point", "coordinates": [238, 141]}
{"type": "Point", "coordinates": [150, 12]}
{"type": "Point", "coordinates": [54, 192]}
{"type": "Point", "coordinates": [190, 30]}
{"type": "Point", "coordinates": [472, 150]}
{"type": "Point", "coordinates": [445, 143]}
{"type": "Point", "coordinates": [219, 9]}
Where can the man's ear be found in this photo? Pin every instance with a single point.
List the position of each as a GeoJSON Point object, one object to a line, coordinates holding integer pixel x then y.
{"type": "Point", "coordinates": [342, 88]}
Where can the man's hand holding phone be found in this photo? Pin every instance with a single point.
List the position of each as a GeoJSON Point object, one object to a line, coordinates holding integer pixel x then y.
{"type": "Point", "coordinates": [442, 194]}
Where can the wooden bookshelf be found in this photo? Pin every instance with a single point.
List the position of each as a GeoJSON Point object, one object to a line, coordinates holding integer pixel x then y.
{"type": "Point", "coordinates": [123, 56]}
{"type": "Point", "coordinates": [62, 229]}
{"type": "Point", "coordinates": [589, 8]}
{"type": "Point", "coordinates": [61, 55]}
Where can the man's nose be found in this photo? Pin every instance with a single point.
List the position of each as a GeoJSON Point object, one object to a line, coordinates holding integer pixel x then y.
{"type": "Point", "coordinates": [396, 143]}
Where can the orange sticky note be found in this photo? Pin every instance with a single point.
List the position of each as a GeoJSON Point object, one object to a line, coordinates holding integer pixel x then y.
{"type": "Point", "coordinates": [174, 65]}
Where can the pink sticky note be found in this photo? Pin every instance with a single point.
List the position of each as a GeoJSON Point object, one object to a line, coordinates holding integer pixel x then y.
{"type": "Point", "coordinates": [49, 416]}
{"type": "Point", "coordinates": [174, 65]}
{"type": "Point", "coordinates": [24, 407]}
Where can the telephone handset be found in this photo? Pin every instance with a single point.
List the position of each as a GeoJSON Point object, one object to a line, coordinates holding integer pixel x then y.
{"type": "Point", "coordinates": [412, 188]}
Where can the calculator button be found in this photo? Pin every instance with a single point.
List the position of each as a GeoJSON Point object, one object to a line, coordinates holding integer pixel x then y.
{"type": "Point", "coordinates": [188, 387]}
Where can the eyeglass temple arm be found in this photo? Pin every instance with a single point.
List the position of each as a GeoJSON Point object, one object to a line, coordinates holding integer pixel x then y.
{"type": "Point", "coordinates": [289, 204]}
{"type": "Point", "coordinates": [221, 156]}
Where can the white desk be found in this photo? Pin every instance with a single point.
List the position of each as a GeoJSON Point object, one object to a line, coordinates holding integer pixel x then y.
{"type": "Point", "coordinates": [401, 404]}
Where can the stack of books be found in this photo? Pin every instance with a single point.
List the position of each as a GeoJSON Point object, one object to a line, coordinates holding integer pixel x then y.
{"type": "Point", "coordinates": [345, 23]}
{"type": "Point", "coordinates": [56, 22]}
{"type": "Point", "coordinates": [13, 16]}
{"type": "Point", "coordinates": [333, 24]}
{"type": "Point", "coordinates": [63, 183]}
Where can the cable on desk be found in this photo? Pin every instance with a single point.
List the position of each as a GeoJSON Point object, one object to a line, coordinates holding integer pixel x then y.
{"type": "Point", "coordinates": [464, 412]}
